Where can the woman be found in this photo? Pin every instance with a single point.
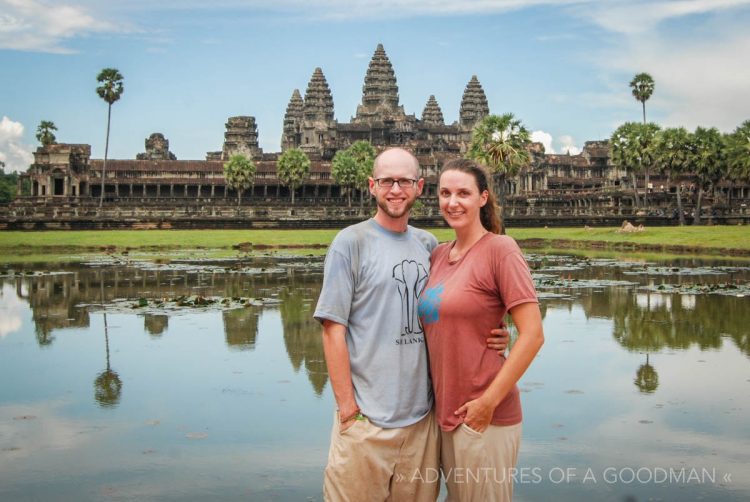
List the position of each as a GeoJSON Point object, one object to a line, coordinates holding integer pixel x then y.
{"type": "Point", "coordinates": [474, 281]}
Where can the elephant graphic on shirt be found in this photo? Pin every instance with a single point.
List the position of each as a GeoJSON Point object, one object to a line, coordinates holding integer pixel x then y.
{"type": "Point", "coordinates": [410, 278]}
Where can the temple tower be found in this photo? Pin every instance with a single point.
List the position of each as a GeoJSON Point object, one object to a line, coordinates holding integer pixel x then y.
{"type": "Point", "coordinates": [157, 148]}
{"type": "Point", "coordinates": [474, 105]}
{"type": "Point", "coordinates": [292, 136]}
{"type": "Point", "coordinates": [318, 125]}
{"type": "Point", "coordinates": [241, 136]}
{"type": "Point", "coordinates": [380, 92]}
{"type": "Point", "coordinates": [432, 114]}
{"type": "Point", "coordinates": [61, 169]}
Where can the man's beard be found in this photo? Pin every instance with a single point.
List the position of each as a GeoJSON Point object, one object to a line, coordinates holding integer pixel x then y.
{"type": "Point", "coordinates": [383, 204]}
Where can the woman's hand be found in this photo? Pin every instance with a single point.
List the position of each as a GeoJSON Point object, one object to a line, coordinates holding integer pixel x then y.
{"type": "Point", "coordinates": [477, 414]}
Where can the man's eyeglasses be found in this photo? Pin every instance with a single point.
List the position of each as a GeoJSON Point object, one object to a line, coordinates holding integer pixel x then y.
{"type": "Point", "coordinates": [402, 182]}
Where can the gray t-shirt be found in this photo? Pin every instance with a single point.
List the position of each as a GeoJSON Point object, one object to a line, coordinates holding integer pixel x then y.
{"type": "Point", "coordinates": [373, 278]}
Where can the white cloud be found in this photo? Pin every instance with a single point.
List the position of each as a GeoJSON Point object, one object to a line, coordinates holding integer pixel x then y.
{"type": "Point", "coordinates": [567, 145]}
{"type": "Point", "coordinates": [10, 311]}
{"type": "Point", "coordinates": [564, 143]}
{"type": "Point", "coordinates": [614, 15]}
{"type": "Point", "coordinates": [717, 94]}
{"type": "Point", "coordinates": [13, 152]}
{"type": "Point", "coordinates": [39, 428]}
{"type": "Point", "coordinates": [544, 138]}
{"type": "Point", "coordinates": [638, 16]}
{"type": "Point", "coordinates": [698, 81]}
{"type": "Point", "coordinates": [351, 8]}
{"type": "Point", "coordinates": [31, 25]}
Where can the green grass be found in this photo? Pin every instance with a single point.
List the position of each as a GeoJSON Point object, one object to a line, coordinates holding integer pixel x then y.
{"type": "Point", "coordinates": [161, 239]}
{"type": "Point", "coordinates": [704, 239]}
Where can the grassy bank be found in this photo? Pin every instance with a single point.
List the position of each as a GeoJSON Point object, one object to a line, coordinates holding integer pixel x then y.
{"type": "Point", "coordinates": [705, 240]}
{"type": "Point", "coordinates": [161, 239]}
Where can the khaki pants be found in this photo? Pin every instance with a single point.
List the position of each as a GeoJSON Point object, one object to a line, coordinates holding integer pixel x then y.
{"type": "Point", "coordinates": [369, 463]}
{"type": "Point", "coordinates": [480, 466]}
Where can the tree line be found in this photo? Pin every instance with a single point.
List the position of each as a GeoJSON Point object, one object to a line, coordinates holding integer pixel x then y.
{"type": "Point", "coordinates": [350, 168]}
{"type": "Point", "coordinates": [8, 184]}
{"type": "Point", "coordinates": [706, 154]}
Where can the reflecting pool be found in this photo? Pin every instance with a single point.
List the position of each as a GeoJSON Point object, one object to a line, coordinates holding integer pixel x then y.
{"type": "Point", "coordinates": [205, 380]}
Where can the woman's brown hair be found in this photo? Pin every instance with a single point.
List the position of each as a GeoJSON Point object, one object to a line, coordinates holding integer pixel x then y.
{"type": "Point", "coordinates": [487, 213]}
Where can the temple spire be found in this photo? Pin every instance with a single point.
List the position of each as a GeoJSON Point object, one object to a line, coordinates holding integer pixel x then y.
{"type": "Point", "coordinates": [432, 113]}
{"type": "Point", "coordinates": [318, 126]}
{"type": "Point", "coordinates": [293, 121]}
{"type": "Point", "coordinates": [241, 136]}
{"type": "Point", "coordinates": [474, 105]}
{"type": "Point", "coordinates": [318, 104]}
{"type": "Point", "coordinates": [380, 91]}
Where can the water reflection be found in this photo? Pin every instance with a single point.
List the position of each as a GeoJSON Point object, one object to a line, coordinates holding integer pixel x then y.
{"type": "Point", "coordinates": [260, 355]}
{"type": "Point", "coordinates": [643, 320]}
{"type": "Point", "coordinates": [155, 324]}
{"type": "Point", "coordinates": [66, 298]}
{"type": "Point", "coordinates": [646, 378]}
{"type": "Point", "coordinates": [302, 339]}
{"type": "Point", "coordinates": [652, 321]}
{"type": "Point", "coordinates": [241, 327]}
{"type": "Point", "coordinates": [107, 386]}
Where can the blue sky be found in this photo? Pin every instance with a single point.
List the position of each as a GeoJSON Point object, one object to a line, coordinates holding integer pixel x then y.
{"type": "Point", "coordinates": [561, 66]}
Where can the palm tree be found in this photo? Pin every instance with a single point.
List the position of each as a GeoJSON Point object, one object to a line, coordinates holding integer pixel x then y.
{"type": "Point", "coordinates": [500, 142]}
{"type": "Point", "coordinates": [44, 132]}
{"type": "Point", "coordinates": [292, 168]}
{"type": "Point", "coordinates": [633, 149]}
{"type": "Point", "coordinates": [707, 162]}
{"type": "Point", "coordinates": [643, 87]}
{"type": "Point", "coordinates": [672, 148]}
{"type": "Point", "coordinates": [110, 90]}
{"type": "Point", "coordinates": [737, 147]}
{"type": "Point", "coordinates": [239, 173]}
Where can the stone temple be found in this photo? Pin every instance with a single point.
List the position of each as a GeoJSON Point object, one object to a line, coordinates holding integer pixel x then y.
{"type": "Point", "coordinates": [155, 185]}
{"type": "Point", "coordinates": [309, 123]}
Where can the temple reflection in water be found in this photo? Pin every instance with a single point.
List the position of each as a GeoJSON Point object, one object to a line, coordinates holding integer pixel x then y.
{"type": "Point", "coordinates": [642, 320]}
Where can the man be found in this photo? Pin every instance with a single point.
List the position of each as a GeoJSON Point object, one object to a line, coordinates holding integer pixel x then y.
{"type": "Point", "coordinates": [384, 442]}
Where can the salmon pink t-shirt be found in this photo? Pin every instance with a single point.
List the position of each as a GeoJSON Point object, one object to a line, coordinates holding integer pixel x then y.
{"type": "Point", "coordinates": [462, 302]}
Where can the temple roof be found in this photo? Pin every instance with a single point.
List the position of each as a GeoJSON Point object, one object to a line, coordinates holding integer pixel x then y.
{"type": "Point", "coordinates": [380, 91]}
{"type": "Point", "coordinates": [292, 119]}
{"type": "Point", "coordinates": [474, 106]}
{"type": "Point", "coordinates": [295, 109]}
{"type": "Point", "coordinates": [318, 104]}
{"type": "Point", "coordinates": [432, 113]}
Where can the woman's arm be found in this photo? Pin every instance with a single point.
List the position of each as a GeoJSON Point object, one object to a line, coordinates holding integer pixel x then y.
{"type": "Point", "coordinates": [528, 320]}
